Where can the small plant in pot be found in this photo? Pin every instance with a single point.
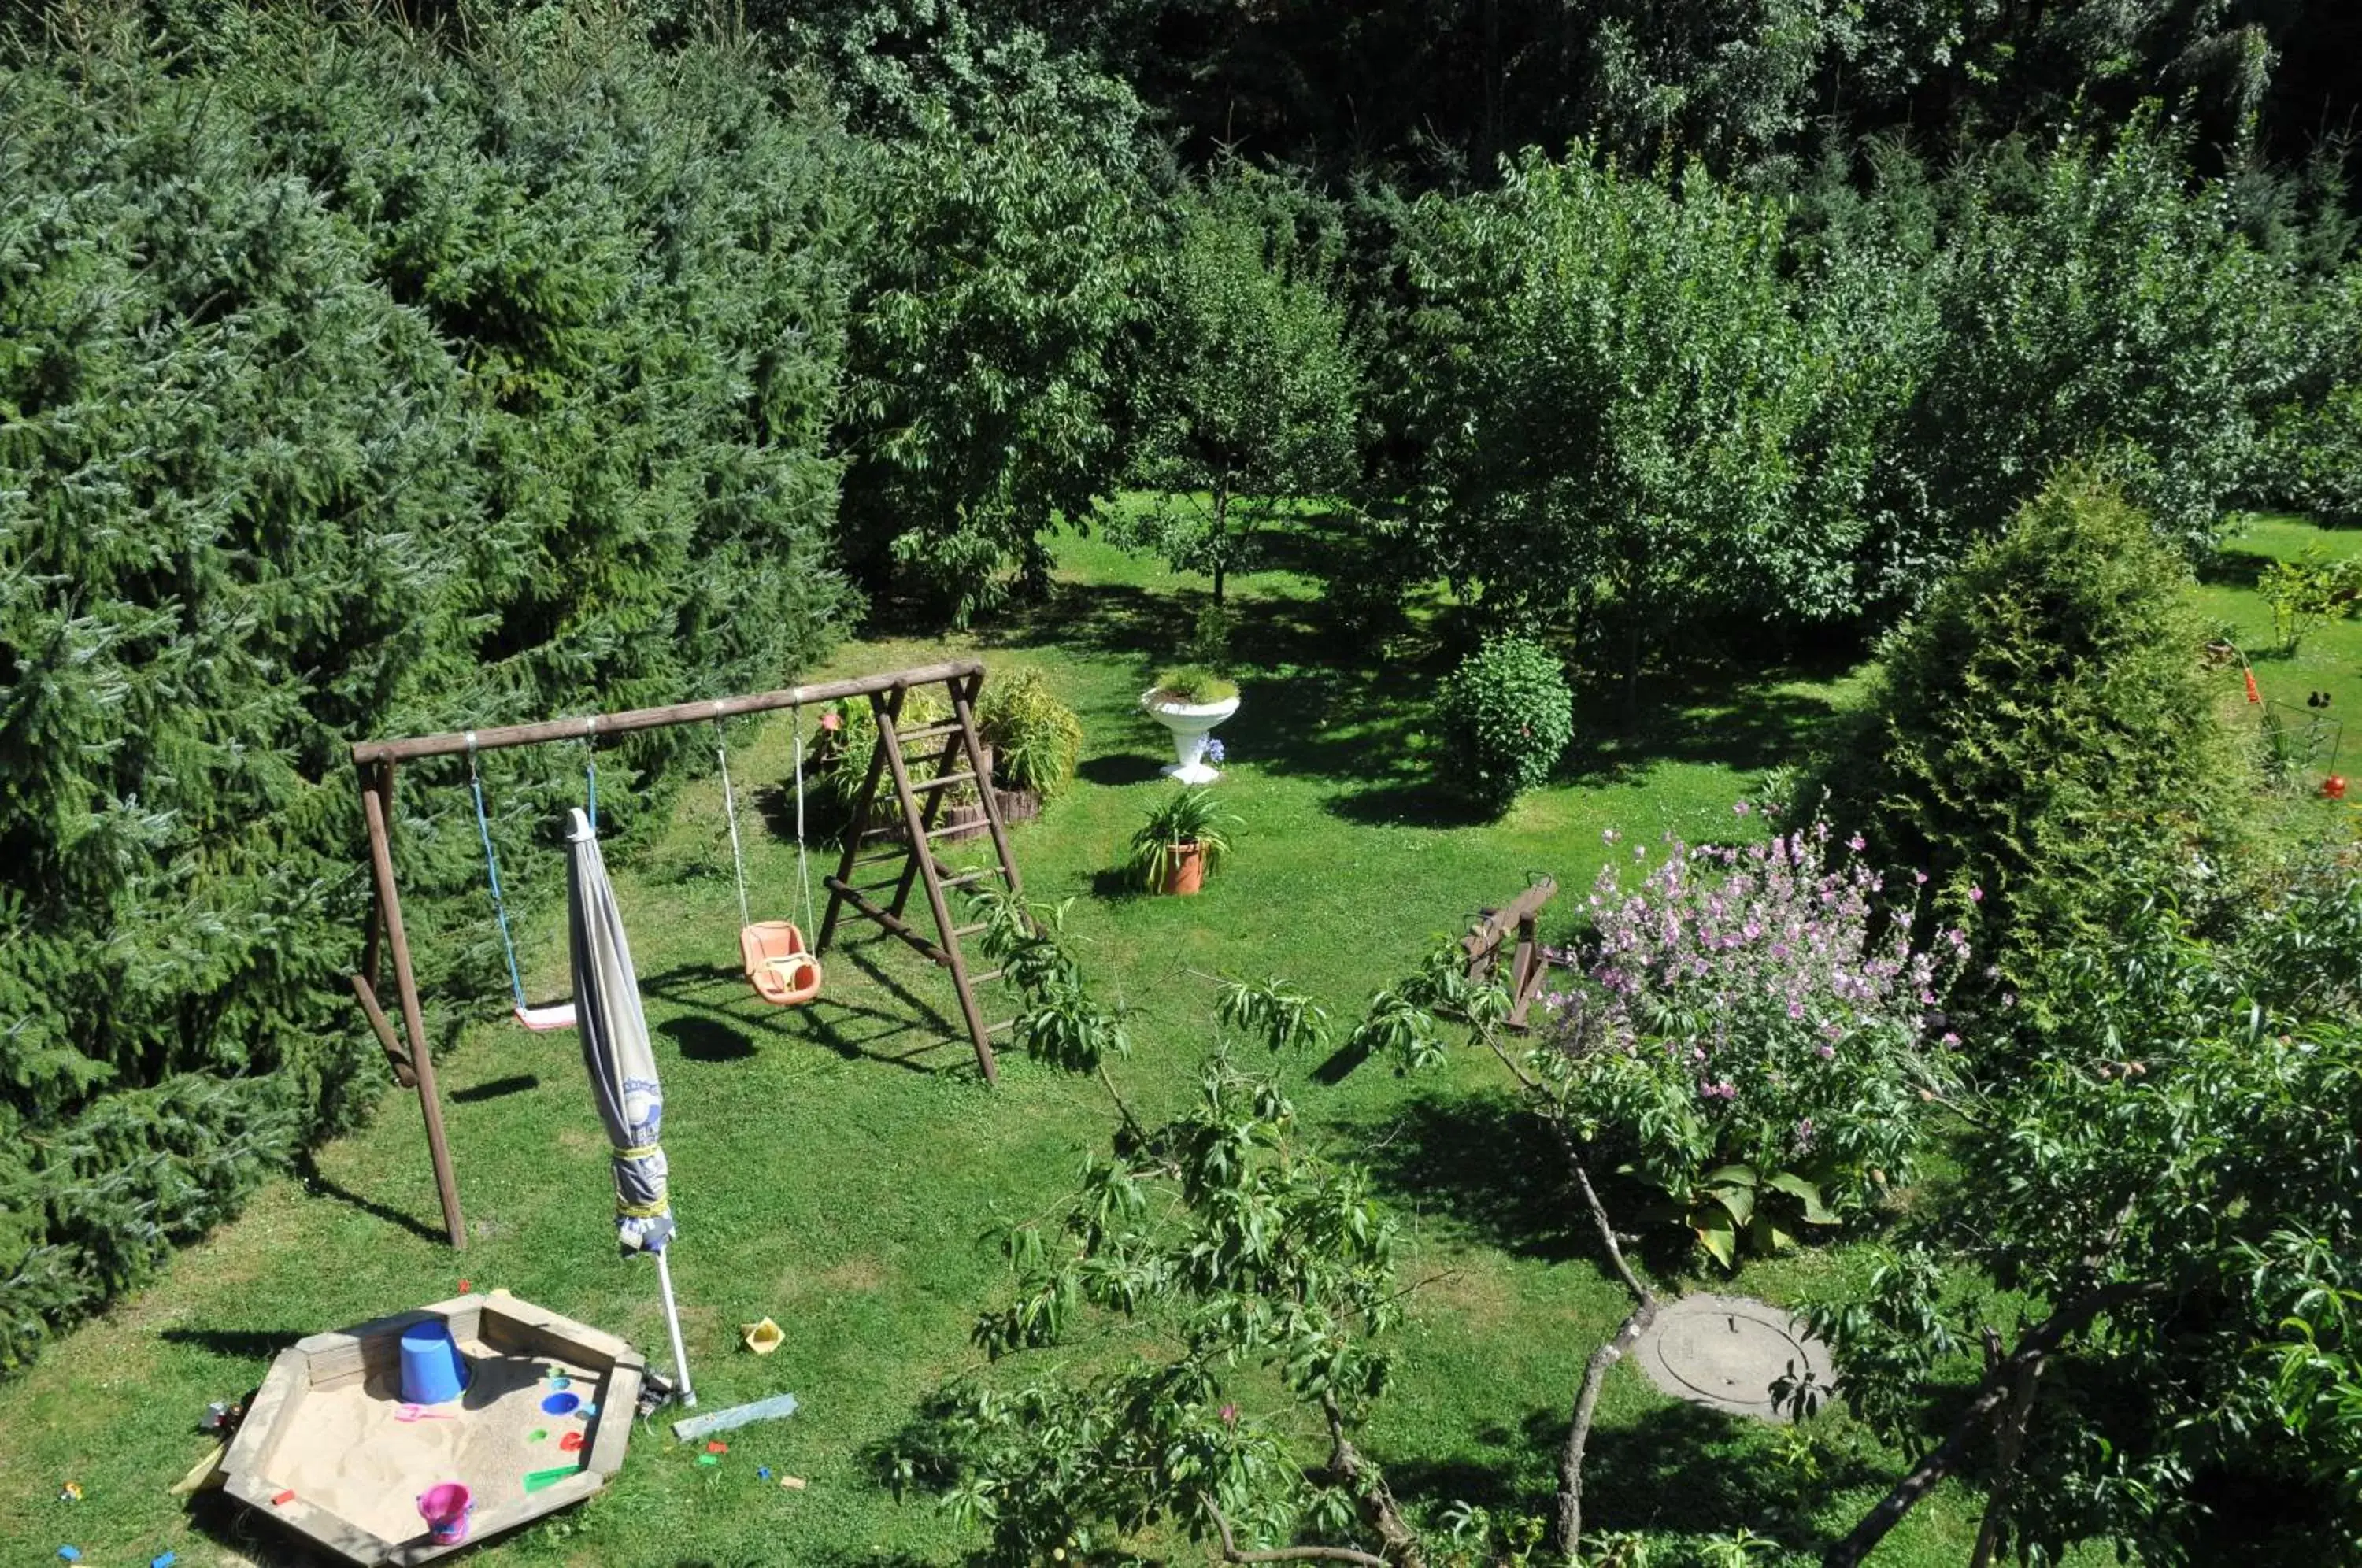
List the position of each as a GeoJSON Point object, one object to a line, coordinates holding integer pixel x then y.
{"type": "Point", "coordinates": [1181, 842]}
{"type": "Point", "coordinates": [1190, 700]}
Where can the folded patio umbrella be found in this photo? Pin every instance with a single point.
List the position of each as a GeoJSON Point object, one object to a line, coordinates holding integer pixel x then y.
{"type": "Point", "coordinates": [622, 1067]}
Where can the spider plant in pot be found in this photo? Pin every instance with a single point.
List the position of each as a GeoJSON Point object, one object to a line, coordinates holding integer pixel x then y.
{"type": "Point", "coordinates": [1181, 842]}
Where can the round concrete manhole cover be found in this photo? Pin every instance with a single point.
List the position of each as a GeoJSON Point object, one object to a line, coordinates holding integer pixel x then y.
{"type": "Point", "coordinates": [1727, 1350]}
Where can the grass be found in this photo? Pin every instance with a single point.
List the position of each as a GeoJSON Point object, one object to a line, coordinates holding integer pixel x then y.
{"type": "Point", "coordinates": [2328, 659]}
{"type": "Point", "coordinates": [835, 1166]}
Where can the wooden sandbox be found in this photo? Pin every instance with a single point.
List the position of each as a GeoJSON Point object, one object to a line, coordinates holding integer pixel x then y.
{"type": "Point", "coordinates": [329, 1450]}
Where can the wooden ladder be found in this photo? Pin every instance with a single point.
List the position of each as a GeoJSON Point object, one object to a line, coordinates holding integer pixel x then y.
{"type": "Point", "coordinates": [913, 838]}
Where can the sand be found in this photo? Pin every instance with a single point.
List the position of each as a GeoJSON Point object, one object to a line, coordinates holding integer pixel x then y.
{"type": "Point", "coordinates": [349, 1449]}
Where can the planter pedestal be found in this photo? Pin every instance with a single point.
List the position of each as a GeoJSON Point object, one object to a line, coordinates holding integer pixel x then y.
{"type": "Point", "coordinates": [1191, 724]}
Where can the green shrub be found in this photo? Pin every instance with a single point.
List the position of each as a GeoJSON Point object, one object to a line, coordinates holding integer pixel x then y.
{"type": "Point", "coordinates": [1562, 468]}
{"type": "Point", "coordinates": [1507, 716]}
{"type": "Point", "coordinates": [841, 755]}
{"type": "Point", "coordinates": [2095, 297]}
{"type": "Point", "coordinates": [1036, 740]}
{"type": "Point", "coordinates": [2042, 732]}
{"type": "Point", "coordinates": [1194, 683]}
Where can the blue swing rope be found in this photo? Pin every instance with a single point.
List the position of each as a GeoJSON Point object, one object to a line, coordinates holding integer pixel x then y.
{"type": "Point", "coordinates": [492, 860]}
{"type": "Point", "coordinates": [493, 865]}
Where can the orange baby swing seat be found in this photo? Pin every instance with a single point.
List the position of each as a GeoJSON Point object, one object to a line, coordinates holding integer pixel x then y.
{"type": "Point", "coordinates": [778, 961]}
{"type": "Point", "coordinates": [779, 964]}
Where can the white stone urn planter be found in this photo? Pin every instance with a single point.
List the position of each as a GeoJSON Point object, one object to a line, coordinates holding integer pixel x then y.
{"type": "Point", "coordinates": [1191, 724]}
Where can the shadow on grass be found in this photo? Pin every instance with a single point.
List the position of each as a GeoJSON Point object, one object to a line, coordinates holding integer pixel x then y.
{"type": "Point", "coordinates": [714, 1032]}
{"type": "Point", "coordinates": [1407, 802]}
{"type": "Point", "coordinates": [239, 1344]}
{"type": "Point", "coordinates": [2232, 566]}
{"type": "Point", "coordinates": [1714, 713]}
{"type": "Point", "coordinates": [308, 1172]}
{"type": "Point", "coordinates": [1119, 768]}
{"type": "Point", "coordinates": [1686, 1467]}
{"type": "Point", "coordinates": [1482, 1167]}
{"type": "Point", "coordinates": [1677, 1467]}
{"type": "Point", "coordinates": [496, 1088]}
{"type": "Point", "coordinates": [1118, 883]}
{"type": "Point", "coordinates": [1324, 698]}
{"type": "Point", "coordinates": [707, 1039]}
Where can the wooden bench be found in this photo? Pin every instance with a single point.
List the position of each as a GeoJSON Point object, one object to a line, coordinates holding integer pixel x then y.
{"type": "Point", "coordinates": [1527, 964]}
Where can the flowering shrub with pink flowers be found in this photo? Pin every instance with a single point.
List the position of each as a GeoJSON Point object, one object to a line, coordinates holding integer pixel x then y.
{"type": "Point", "coordinates": [1753, 1033]}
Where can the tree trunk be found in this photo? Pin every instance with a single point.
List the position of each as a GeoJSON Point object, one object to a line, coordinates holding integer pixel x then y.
{"type": "Point", "coordinates": [2011, 1446]}
{"type": "Point", "coordinates": [1632, 666]}
{"type": "Point", "coordinates": [1999, 1385]}
{"type": "Point", "coordinates": [1568, 1534]}
{"type": "Point", "coordinates": [1221, 536]}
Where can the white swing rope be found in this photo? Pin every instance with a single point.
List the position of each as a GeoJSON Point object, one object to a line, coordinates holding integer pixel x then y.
{"type": "Point", "coordinates": [803, 870]}
{"type": "Point", "coordinates": [730, 810]}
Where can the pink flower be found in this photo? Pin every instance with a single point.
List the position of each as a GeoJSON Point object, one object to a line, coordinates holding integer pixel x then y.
{"type": "Point", "coordinates": [1949, 1039]}
{"type": "Point", "coordinates": [1827, 1052]}
{"type": "Point", "coordinates": [1740, 808]}
{"type": "Point", "coordinates": [1919, 877]}
{"type": "Point", "coordinates": [1857, 844]}
{"type": "Point", "coordinates": [1976, 894]}
{"type": "Point", "coordinates": [1230, 1415]}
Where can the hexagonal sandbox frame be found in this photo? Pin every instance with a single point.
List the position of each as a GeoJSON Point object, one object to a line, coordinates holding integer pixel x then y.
{"type": "Point", "coordinates": [338, 1394]}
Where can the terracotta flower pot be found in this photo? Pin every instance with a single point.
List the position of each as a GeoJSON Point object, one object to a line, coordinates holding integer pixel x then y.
{"type": "Point", "coordinates": [1187, 871]}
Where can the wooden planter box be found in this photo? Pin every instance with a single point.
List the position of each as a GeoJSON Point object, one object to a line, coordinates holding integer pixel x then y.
{"type": "Point", "coordinates": [329, 1451]}
{"type": "Point", "coordinates": [965, 819]}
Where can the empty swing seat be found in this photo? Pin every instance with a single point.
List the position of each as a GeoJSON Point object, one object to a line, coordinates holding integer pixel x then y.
{"type": "Point", "coordinates": [557, 1015]}
{"type": "Point", "coordinates": [779, 964]}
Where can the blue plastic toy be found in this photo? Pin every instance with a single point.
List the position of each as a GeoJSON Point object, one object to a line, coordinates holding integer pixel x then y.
{"type": "Point", "coordinates": [431, 1370]}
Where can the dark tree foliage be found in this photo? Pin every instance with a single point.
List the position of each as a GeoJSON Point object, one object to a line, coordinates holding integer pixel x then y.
{"type": "Point", "coordinates": [349, 385]}
{"type": "Point", "coordinates": [1008, 226]}
{"type": "Point", "coordinates": [1440, 90]}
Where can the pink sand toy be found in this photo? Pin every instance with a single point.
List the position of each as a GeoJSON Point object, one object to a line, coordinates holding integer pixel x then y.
{"type": "Point", "coordinates": [445, 1509]}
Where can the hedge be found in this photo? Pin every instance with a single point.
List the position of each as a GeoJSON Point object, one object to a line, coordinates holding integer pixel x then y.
{"type": "Point", "coordinates": [350, 385]}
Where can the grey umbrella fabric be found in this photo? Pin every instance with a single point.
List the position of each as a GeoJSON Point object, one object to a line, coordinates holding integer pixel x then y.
{"type": "Point", "coordinates": [615, 1046]}
{"type": "Point", "coordinates": [622, 1067]}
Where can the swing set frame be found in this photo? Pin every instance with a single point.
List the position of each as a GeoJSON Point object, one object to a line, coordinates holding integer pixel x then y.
{"type": "Point", "coordinates": [378, 761]}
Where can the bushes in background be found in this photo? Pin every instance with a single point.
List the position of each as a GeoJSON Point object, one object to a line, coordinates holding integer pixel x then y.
{"type": "Point", "coordinates": [1507, 717]}
{"type": "Point", "coordinates": [1036, 740]}
{"type": "Point", "coordinates": [1253, 389]}
{"type": "Point", "coordinates": [351, 387]}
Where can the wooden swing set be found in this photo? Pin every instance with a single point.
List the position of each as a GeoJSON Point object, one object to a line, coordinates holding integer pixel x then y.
{"type": "Point", "coordinates": [777, 963]}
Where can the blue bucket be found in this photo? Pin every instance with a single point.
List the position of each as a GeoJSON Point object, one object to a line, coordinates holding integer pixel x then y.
{"type": "Point", "coordinates": [431, 1370]}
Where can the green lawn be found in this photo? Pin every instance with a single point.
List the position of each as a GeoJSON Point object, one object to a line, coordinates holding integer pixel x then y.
{"type": "Point", "coordinates": [2328, 659]}
{"type": "Point", "coordinates": [835, 1166]}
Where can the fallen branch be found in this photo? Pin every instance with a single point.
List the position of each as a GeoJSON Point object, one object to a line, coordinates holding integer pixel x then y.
{"type": "Point", "coordinates": [1568, 1534]}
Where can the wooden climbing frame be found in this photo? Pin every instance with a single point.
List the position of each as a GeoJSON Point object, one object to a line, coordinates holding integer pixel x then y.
{"type": "Point", "coordinates": [1527, 964]}
{"type": "Point", "coordinates": [413, 1063]}
{"type": "Point", "coordinates": [911, 840]}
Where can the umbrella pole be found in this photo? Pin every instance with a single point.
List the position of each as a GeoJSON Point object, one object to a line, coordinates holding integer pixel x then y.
{"type": "Point", "coordinates": [672, 1321]}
